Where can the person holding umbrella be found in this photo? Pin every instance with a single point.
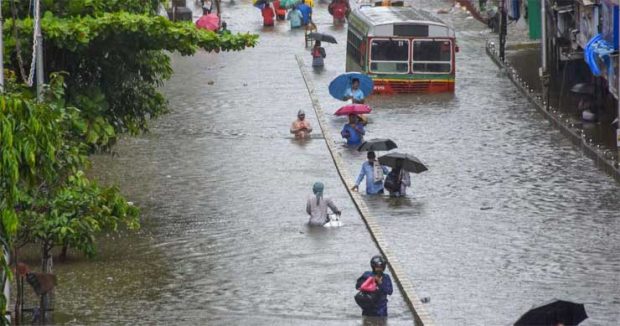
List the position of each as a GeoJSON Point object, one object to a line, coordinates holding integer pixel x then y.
{"type": "Point", "coordinates": [398, 180]}
{"type": "Point", "coordinates": [351, 85]}
{"type": "Point", "coordinates": [373, 172]}
{"type": "Point", "coordinates": [208, 20]}
{"type": "Point", "coordinates": [318, 54]}
{"type": "Point", "coordinates": [354, 92]}
{"type": "Point", "coordinates": [353, 131]}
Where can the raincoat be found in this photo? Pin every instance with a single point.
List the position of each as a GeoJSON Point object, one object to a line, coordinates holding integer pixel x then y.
{"type": "Point", "coordinates": [268, 15]}
{"type": "Point", "coordinates": [295, 17]}
{"type": "Point", "coordinates": [280, 12]}
{"type": "Point", "coordinates": [385, 289]}
{"type": "Point", "coordinates": [338, 9]}
{"type": "Point", "coordinates": [306, 13]}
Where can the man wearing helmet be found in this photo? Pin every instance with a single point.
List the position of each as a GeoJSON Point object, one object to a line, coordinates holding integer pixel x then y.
{"type": "Point", "coordinates": [384, 286]}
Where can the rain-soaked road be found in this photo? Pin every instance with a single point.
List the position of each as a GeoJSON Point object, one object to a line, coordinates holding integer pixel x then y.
{"type": "Point", "coordinates": [509, 214]}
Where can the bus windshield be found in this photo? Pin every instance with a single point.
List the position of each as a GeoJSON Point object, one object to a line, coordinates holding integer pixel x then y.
{"type": "Point", "coordinates": [432, 56]}
{"type": "Point", "coordinates": [389, 56]}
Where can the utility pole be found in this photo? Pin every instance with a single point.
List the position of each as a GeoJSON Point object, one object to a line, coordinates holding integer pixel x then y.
{"type": "Point", "coordinates": [6, 291]}
{"type": "Point", "coordinates": [5, 279]}
{"type": "Point", "coordinates": [618, 99]}
{"type": "Point", "coordinates": [502, 31]}
{"type": "Point", "coordinates": [542, 72]}
{"type": "Point", "coordinates": [1, 51]}
{"type": "Point", "coordinates": [39, 38]}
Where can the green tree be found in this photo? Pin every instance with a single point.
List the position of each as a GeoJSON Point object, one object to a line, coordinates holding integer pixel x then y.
{"type": "Point", "coordinates": [116, 54]}
{"type": "Point", "coordinates": [45, 197]}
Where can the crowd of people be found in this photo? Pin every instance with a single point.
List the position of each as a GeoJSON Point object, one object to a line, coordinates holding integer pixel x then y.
{"type": "Point", "coordinates": [372, 299]}
{"type": "Point", "coordinates": [300, 15]}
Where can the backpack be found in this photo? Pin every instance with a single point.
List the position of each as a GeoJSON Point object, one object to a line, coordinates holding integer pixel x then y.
{"type": "Point", "coordinates": [392, 182]}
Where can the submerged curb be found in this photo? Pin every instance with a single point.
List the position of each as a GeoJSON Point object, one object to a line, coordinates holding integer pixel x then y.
{"type": "Point", "coordinates": [599, 157]}
{"type": "Point", "coordinates": [421, 316]}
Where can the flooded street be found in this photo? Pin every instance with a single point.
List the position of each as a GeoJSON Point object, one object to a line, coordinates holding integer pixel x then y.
{"type": "Point", "coordinates": [509, 214]}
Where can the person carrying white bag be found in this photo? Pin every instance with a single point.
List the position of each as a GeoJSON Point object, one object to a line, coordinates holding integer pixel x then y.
{"type": "Point", "coordinates": [317, 206]}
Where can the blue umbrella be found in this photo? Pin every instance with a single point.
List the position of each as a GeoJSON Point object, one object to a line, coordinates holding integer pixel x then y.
{"type": "Point", "coordinates": [340, 84]}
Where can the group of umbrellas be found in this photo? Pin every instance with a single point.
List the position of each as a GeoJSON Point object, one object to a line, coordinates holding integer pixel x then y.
{"type": "Point", "coordinates": [288, 4]}
{"type": "Point", "coordinates": [338, 88]}
{"type": "Point", "coordinates": [407, 162]}
{"type": "Point", "coordinates": [556, 312]}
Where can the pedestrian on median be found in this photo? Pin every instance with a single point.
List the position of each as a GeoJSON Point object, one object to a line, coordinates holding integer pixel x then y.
{"type": "Point", "coordinates": [384, 287]}
{"type": "Point", "coordinates": [353, 131]}
{"type": "Point", "coordinates": [398, 180]}
{"type": "Point", "coordinates": [318, 54]}
{"type": "Point", "coordinates": [301, 128]}
{"type": "Point", "coordinates": [373, 172]}
{"type": "Point", "coordinates": [317, 206]}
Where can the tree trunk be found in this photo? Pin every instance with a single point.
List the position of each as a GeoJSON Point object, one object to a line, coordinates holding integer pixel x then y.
{"type": "Point", "coordinates": [63, 253]}
{"type": "Point", "coordinates": [46, 267]}
{"type": "Point", "coordinates": [19, 295]}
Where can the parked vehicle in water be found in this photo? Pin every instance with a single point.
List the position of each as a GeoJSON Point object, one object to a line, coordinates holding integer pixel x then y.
{"type": "Point", "coordinates": [403, 49]}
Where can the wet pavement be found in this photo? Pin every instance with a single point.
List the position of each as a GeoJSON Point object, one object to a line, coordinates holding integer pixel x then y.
{"type": "Point", "coordinates": [508, 215]}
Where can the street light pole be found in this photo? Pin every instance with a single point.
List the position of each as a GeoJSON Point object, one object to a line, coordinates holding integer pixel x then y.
{"type": "Point", "coordinates": [6, 291]}
{"type": "Point", "coordinates": [39, 37]}
{"type": "Point", "coordinates": [502, 31]}
{"type": "Point", "coordinates": [544, 76]}
{"type": "Point", "coordinates": [1, 52]}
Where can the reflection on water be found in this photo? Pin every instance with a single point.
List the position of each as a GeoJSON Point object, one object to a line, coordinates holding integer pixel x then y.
{"type": "Point", "coordinates": [508, 215]}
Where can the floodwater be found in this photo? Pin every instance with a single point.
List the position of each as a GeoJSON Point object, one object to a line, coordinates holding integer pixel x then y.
{"type": "Point", "coordinates": [509, 214]}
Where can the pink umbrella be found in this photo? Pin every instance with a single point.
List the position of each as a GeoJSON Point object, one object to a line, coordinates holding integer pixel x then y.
{"type": "Point", "coordinates": [210, 22]}
{"type": "Point", "coordinates": [353, 109]}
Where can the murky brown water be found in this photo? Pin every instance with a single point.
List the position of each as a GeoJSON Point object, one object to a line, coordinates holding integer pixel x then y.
{"type": "Point", "coordinates": [509, 214]}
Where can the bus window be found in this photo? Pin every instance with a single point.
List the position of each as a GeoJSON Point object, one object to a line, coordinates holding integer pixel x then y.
{"type": "Point", "coordinates": [389, 56]}
{"type": "Point", "coordinates": [432, 56]}
{"type": "Point", "coordinates": [353, 47]}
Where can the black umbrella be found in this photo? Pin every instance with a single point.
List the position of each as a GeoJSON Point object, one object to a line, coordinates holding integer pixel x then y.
{"type": "Point", "coordinates": [377, 144]}
{"type": "Point", "coordinates": [322, 37]}
{"type": "Point", "coordinates": [557, 311]}
{"type": "Point", "coordinates": [410, 162]}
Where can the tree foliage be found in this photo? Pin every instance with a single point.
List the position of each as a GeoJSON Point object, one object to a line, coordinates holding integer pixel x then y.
{"type": "Point", "coordinates": [45, 197]}
{"type": "Point", "coordinates": [115, 54]}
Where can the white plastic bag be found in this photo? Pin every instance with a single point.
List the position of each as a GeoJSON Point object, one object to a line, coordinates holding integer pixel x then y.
{"type": "Point", "coordinates": [334, 221]}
